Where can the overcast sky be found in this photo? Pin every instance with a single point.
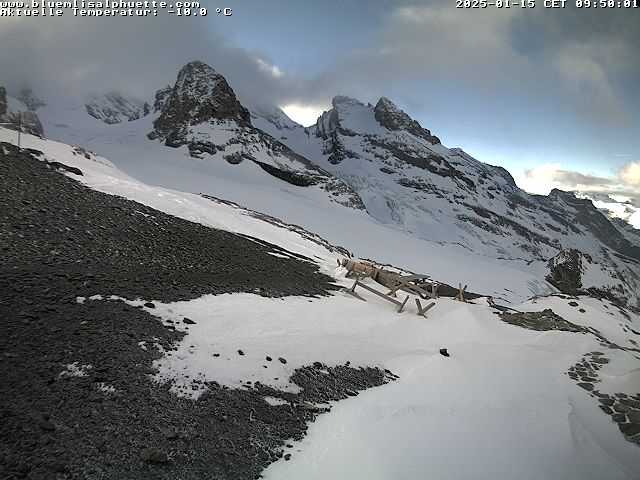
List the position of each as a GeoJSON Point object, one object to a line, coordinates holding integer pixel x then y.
{"type": "Point", "coordinates": [551, 94]}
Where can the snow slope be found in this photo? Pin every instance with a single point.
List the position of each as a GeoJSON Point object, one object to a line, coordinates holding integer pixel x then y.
{"type": "Point", "coordinates": [501, 406]}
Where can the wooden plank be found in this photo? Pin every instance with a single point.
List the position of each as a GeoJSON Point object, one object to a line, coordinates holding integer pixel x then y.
{"type": "Point", "coordinates": [416, 290]}
{"type": "Point", "coordinates": [380, 294]}
{"type": "Point", "coordinates": [403, 304]}
{"type": "Point", "coordinates": [413, 277]}
{"type": "Point", "coordinates": [350, 292]}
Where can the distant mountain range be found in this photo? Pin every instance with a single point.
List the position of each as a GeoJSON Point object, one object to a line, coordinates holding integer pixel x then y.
{"type": "Point", "coordinates": [359, 157]}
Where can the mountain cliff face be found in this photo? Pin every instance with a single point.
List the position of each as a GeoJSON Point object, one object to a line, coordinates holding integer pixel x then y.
{"type": "Point", "coordinates": [14, 113]}
{"type": "Point", "coordinates": [405, 176]}
{"type": "Point", "coordinates": [113, 107]}
{"type": "Point", "coordinates": [202, 113]}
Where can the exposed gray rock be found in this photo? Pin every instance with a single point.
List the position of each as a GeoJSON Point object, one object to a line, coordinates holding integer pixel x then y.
{"type": "Point", "coordinates": [541, 321]}
{"type": "Point", "coordinates": [200, 95]}
{"type": "Point", "coordinates": [162, 96]}
{"type": "Point", "coordinates": [392, 118]}
{"type": "Point", "coordinates": [152, 455]}
{"type": "Point", "coordinates": [3, 101]}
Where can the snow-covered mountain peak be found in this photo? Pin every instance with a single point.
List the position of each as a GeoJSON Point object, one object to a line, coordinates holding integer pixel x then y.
{"type": "Point", "coordinates": [200, 83]}
{"type": "Point", "coordinates": [202, 112]}
{"type": "Point", "coordinates": [200, 95]}
{"type": "Point", "coordinates": [272, 114]}
{"type": "Point", "coordinates": [114, 107]}
{"type": "Point", "coordinates": [344, 101]}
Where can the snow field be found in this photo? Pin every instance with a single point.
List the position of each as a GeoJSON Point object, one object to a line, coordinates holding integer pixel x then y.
{"type": "Point", "coordinates": [500, 407]}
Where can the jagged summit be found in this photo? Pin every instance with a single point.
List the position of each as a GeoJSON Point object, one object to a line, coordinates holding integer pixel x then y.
{"type": "Point", "coordinates": [392, 118]}
{"type": "Point", "coordinates": [199, 95]}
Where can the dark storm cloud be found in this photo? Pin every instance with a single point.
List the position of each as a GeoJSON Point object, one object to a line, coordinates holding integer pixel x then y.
{"type": "Point", "coordinates": [421, 53]}
{"type": "Point", "coordinates": [589, 59]}
{"type": "Point", "coordinates": [71, 57]}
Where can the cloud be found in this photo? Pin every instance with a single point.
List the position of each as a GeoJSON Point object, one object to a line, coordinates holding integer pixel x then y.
{"type": "Point", "coordinates": [69, 57]}
{"type": "Point", "coordinates": [543, 178]}
{"type": "Point", "coordinates": [629, 174]}
{"type": "Point", "coordinates": [577, 63]}
{"type": "Point", "coordinates": [272, 70]}
{"type": "Point", "coordinates": [569, 178]}
{"type": "Point", "coordinates": [587, 68]}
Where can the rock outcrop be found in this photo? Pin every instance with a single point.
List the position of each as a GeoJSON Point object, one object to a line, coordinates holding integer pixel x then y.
{"type": "Point", "coordinates": [392, 118]}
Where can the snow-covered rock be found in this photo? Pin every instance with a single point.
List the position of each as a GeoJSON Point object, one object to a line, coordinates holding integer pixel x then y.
{"type": "Point", "coordinates": [114, 107]}
{"type": "Point", "coordinates": [32, 102]}
{"type": "Point", "coordinates": [14, 113]}
{"type": "Point", "coordinates": [575, 273]}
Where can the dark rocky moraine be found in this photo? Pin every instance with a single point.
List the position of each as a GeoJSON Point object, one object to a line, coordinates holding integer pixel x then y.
{"type": "Point", "coordinates": [60, 240]}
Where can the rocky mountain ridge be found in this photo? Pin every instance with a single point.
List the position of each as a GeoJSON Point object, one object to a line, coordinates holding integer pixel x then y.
{"type": "Point", "coordinates": [201, 112]}
{"type": "Point", "coordinates": [406, 177]}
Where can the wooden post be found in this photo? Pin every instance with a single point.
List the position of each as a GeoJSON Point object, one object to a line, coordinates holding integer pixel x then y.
{"type": "Point", "coordinates": [403, 304]}
{"type": "Point", "coordinates": [460, 295]}
{"type": "Point", "coordinates": [352, 290]}
{"type": "Point", "coordinates": [423, 311]}
{"type": "Point", "coordinates": [357, 283]}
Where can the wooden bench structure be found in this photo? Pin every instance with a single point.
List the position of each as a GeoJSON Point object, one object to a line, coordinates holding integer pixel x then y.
{"type": "Point", "coordinates": [414, 284]}
{"type": "Point", "coordinates": [358, 283]}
